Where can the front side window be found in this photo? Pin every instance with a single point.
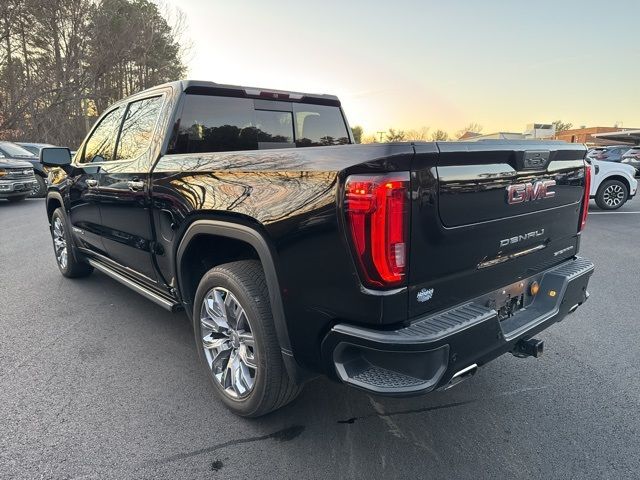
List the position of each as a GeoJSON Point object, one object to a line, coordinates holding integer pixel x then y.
{"type": "Point", "coordinates": [101, 144]}
{"type": "Point", "coordinates": [138, 127]}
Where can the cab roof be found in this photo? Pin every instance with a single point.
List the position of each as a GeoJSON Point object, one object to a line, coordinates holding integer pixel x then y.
{"type": "Point", "coordinates": [201, 87]}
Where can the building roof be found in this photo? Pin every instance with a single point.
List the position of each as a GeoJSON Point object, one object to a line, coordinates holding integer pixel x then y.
{"type": "Point", "coordinates": [497, 136]}
{"type": "Point", "coordinates": [624, 136]}
{"type": "Point", "coordinates": [469, 134]}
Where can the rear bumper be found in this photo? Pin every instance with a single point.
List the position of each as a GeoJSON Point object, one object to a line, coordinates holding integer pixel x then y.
{"type": "Point", "coordinates": [431, 351]}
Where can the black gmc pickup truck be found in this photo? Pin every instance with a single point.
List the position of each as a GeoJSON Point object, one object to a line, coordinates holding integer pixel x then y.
{"type": "Point", "coordinates": [396, 268]}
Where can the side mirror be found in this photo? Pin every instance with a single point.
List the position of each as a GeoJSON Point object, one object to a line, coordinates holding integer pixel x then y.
{"type": "Point", "coordinates": [55, 156]}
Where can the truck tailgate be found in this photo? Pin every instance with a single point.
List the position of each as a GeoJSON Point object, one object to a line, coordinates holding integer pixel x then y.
{"type": "Point", "coordinates": [486, 214]}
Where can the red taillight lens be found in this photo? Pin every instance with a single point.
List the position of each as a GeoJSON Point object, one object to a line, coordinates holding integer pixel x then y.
{"type": "Point", "coordinates": [587, 194]}
{"type": "Point", "coordinates": [377, 216]}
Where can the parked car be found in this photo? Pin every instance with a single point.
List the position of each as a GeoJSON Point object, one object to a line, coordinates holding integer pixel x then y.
{"type": "Point", "coordinates": [611, 153]}
{"type": "Point", "coordinates": [15, 151]}
{"type": "Point", "coordinates": [17, 179]}
{"type": "Point", "coordinates": [613, 184]}
{"type": "Point", "coordinates": [395, 268]}
{"type": "Point", "coordinates": [34, 148]}
{"type": "Point", "coordinates": [632, 157]}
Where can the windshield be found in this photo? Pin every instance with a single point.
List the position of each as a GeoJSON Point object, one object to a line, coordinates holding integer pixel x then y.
{"type": "Point", "coordinates": [13, 150]}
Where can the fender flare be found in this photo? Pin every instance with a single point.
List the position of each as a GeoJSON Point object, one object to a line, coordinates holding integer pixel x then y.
{"type": "Point", "coordinates": [258, 242]}
{"type": "Point", "coordinates": [51, 195]}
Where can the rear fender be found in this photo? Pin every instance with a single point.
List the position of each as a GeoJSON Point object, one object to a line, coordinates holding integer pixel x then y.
{"type": "Point", "coordinates": [265, 253]}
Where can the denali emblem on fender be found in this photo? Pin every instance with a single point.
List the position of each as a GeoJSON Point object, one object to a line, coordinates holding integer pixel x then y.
{"type": "Point", "coordinates": [526, 192]}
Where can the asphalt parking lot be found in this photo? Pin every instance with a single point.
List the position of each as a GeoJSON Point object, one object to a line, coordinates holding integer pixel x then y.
{"type": "Point", "coordinates": [97, 382]}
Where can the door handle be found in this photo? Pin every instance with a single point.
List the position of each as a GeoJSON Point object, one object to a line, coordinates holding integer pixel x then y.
{"type": "Point", "coordinates": [135, 185]}
{"type": "Point", "coordinates": [92, 183]}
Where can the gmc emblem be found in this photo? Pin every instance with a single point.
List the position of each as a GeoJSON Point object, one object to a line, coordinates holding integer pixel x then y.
{"type": "Point", "coordinates": [527, 192]}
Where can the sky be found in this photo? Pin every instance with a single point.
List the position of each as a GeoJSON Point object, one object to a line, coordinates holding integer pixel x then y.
{"type": "Point", "coordinates": [439, 64]}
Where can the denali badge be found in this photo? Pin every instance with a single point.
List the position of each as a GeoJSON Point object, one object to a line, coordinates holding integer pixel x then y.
{"type": "Point", "coordinates": [521, 238]}
{"type": "Point", "coordinates": [527, 192]}
{"type": "Point", "coordinates": [424, 295]}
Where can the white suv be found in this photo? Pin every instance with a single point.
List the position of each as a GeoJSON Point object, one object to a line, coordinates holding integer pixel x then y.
{"type": "Point", "coordinates": [612, 183]}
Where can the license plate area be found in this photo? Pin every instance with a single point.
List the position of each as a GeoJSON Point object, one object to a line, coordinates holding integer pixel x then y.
{"type": "Point", "coordinates": [507, 301]}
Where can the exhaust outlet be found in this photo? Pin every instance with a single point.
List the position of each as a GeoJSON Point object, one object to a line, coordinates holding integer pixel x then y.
{"type": "Point", "coordinates": [461, 376]}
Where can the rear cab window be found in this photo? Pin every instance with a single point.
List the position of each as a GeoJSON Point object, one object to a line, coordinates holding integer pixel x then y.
{"type": "Point", "coordinates": [223, 124]}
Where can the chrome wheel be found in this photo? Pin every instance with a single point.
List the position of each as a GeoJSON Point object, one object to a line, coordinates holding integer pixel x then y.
{"type": "Point", "coordinates": [39, 189]}
{"type": "Point", "coordinates": [59, 242]}
{"type": "Point", "coordinates": [613, 195]}
{"type": "Point", "coordinates": [228, 342]}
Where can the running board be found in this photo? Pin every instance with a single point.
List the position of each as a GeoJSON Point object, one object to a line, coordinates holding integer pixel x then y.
{"type": "Point", "coordinates": [162, 300]}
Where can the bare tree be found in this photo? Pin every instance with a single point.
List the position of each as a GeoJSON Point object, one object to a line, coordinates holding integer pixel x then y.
{"type": "Point", "coordinates": [439, 136]}
{"type": "Point", "coordinates": [394, 135]}
{"type": "Point", "coordinates": [357, 133]}
{"type": "Point", "coordinates": [561, 126]}
{"type": "Point", "coordinates": [64, 60]}
{"type": "Point", "coordinates": [420, 134]}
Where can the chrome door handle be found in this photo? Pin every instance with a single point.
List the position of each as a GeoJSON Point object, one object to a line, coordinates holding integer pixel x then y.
{"type": "Point", "coordinates": [135, 185]}
{"type": "Point", "coordinates": [92, 183]}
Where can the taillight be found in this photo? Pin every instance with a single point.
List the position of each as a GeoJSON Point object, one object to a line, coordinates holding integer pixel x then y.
{"type": "Point", "coordinates": [377, 216]}
{"type": "Point", "coordinates": [585, 200]}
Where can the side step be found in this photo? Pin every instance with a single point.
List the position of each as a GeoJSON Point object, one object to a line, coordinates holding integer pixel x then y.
{"type": "Point", "coordinates": [164, 301]}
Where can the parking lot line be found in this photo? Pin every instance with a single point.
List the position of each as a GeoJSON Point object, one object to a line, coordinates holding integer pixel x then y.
{"type": "Point", "coordinates": [611, 213]}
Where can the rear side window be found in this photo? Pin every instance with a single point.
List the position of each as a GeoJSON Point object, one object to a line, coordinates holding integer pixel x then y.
{"type": "Point", "coordinates": [318, 125]}
{"type": "Point", "coordinates": [224, 124]}
{"type": "Point", "coordinates": [137, 129]}
{"type": "Point", "coordinates": [101, 144]}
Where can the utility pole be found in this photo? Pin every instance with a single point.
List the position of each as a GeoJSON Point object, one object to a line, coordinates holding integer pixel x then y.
{"type": "Point", "coordinates": [380, 133]}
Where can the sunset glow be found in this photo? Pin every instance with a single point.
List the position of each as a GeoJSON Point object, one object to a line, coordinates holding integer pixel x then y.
{"type": "Point", "coordinates": [437, 64]}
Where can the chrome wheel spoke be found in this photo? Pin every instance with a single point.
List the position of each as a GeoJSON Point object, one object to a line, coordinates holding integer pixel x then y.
{"type": "Point", "coordinates": [247, 356]}
{"type": "Point", "coordinates": [228, 343]}
{"type": "Point", "coordinates": [219, 364]}
{"type": "Point", "coordinates": [213, 325]}
{"type": "Point", "coordinates": [215, 318]}
{"type": "Point", "coordinates": [246, 338]}
{"type": "Point", "coordinates": [218, 344]}
{"type": "Point", "coordinates": [240, 380]}
{"type": "Point", "coordinates": [59, 243]}
{"type": "Point", "coordinates": [231, 310]}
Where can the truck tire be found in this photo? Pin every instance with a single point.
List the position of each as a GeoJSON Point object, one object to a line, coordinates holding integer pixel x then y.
{"type": "Point", "coordinates": [611, 195]}
{"type": "Point", "coordinates": [65, 254]}
{"type": "Point", "coordinates": [236, 340]}
{"type": "Point", "coordinates": [17, 198]}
